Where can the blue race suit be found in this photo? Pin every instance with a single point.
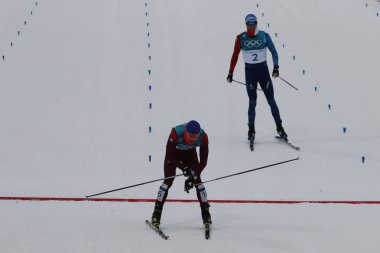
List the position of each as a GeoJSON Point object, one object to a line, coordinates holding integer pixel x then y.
{"type": "Point", "coordinates": [256, 70]}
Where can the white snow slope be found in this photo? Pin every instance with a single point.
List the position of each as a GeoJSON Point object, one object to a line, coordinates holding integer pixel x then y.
{"type": "Point", "coordinates": [84, 80]}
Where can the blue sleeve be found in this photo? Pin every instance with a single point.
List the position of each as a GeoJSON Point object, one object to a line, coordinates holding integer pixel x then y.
{"type": "Point", "coordinates": [272, 49]}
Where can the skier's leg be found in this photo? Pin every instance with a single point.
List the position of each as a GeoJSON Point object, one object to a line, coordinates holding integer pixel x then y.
{"type": "Point", "coordinates": [267, 87]}
{"type": "Point", "coordinates": [169, 170]}
{"type": "Point", "coordinates": [251, 87]}
{"type": "Point", "coordinates": [201, 190]}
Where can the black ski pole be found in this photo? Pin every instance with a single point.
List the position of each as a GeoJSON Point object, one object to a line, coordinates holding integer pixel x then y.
{"type": "Point", "coordinates": [288, 83]}
{"type": "Point", "coordinates": [244, 84]}
{"type": "Point", "coordinates": [89, 196]}
{"type": "Point", "coordinates": [239, 173]}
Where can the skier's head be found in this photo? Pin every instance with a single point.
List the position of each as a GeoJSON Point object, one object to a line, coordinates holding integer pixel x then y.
{"type": "Point", "coordinates": [192, 131]}
{"type": "Point", "coordinates": [251, 23]}
{"type": "Point", "coordinates": [250, 20]}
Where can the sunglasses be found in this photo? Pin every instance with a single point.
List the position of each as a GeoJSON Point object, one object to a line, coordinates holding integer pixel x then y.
{"type": "Point", "coordinates": [251, 23]}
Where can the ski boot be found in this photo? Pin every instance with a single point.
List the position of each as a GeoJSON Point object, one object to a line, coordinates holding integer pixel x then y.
{"type": "Point", "coordinates": [281, 132]}
{"type": "Point", "coordinates": [156, 217]}
{"type": "Point", "coordinates": [251, 132]}
{"type": "Point", "coordinates": [206, 217]}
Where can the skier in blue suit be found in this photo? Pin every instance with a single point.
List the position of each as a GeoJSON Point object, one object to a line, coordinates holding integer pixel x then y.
{"type": "Point", "coordinates": [254, 43]}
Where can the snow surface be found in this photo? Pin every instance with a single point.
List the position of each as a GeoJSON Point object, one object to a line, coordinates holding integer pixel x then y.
{"type": "Point", "coordinates": [74, 120]}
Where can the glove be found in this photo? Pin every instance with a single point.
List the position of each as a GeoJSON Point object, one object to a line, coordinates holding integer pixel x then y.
{"type": "Point", "coordinates": [191, 177]}
{"type": "Point", "coordinates": [275, 73]}
{"type": "Point", "coordinates": [229, 77]}
{"type": "Point", "coordinates": [188, 184]}
{"type": "Point", "coordinates": [189, 173]}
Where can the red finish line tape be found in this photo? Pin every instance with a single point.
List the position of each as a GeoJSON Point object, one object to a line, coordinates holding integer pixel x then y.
{"type": "Point", "coordinates": [194, 200]}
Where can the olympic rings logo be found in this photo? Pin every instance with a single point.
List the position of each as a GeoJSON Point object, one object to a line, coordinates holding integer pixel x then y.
{"type": "Point", "coordinates": [253, 43]}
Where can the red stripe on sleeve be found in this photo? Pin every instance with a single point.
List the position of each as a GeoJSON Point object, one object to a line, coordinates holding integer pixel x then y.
{"type": "Point", "coordinates": [235, 55]}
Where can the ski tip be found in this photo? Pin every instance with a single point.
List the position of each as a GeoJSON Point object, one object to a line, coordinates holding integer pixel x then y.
{"type": "Point", "coordinates": [158, 230]}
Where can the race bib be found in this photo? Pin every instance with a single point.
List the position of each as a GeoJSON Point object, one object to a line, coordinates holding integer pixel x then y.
{"type": "Point", "coordinates": [255, 56]}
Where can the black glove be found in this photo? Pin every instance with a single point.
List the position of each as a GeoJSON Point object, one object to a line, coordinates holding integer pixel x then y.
{"type": "Point", "coordinates": [189, 173]}
{"type": "Point", "coordinates": [229, 77]}
{"type": "Point", "coordinates": [275, 73]}
{"type": "Point", "coordinates": [191, 177]}
{"type": "Point", "coordinates": [188, 184]}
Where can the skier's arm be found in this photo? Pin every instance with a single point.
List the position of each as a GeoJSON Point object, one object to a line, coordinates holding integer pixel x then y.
{"type": "Point", "coordinates": [235, 55]}
{"type": "Point", "coordinates": [203, 152]}
{"type": "Point", "coordinates": [171, 149]}
{"type": "Point", "coordinates": [272, 49]}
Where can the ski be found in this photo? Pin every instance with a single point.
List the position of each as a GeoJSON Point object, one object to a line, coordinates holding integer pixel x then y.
{"type": "Point", "coordinates": [207, 231]}
{"type": "Point", "coordinates": [251, 143]}
{"type": "Point", "coordinates": [289, 143]}
{"type": "Point", "coordinates": [158, 230]}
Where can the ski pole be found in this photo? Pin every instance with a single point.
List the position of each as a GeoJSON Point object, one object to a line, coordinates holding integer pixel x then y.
{"type": "Point", "coordinates": [244, 84]}
{"type": "Point", "coordinates": [238, 82]}
{"type": "Point", "coordinates": [288, 83]}
{"type": "Point", "coordinates": [89, 196]}
{"type": "Point", "coordinates": [243, 172]}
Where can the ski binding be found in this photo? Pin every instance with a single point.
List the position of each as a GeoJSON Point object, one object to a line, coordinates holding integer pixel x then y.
{"type": "Point", "coordinates": [251, 143]}
{"type": "Point", "coordinates": [207, 231]}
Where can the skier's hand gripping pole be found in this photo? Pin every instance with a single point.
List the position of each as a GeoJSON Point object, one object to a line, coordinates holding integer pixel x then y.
{"type": "Point", "coordinates": [191, 177]}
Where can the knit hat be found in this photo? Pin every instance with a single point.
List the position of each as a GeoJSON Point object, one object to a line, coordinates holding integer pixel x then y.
{"type": "Point", "coordinates": [193, 127]}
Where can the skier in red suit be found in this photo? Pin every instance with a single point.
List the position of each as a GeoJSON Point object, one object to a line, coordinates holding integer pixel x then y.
{"type": "Point", "coordinates": [181, 153]}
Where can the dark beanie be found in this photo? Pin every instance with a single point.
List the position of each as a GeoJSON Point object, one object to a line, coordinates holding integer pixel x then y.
{"type": "Point", "coordinates": [193, 127]}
